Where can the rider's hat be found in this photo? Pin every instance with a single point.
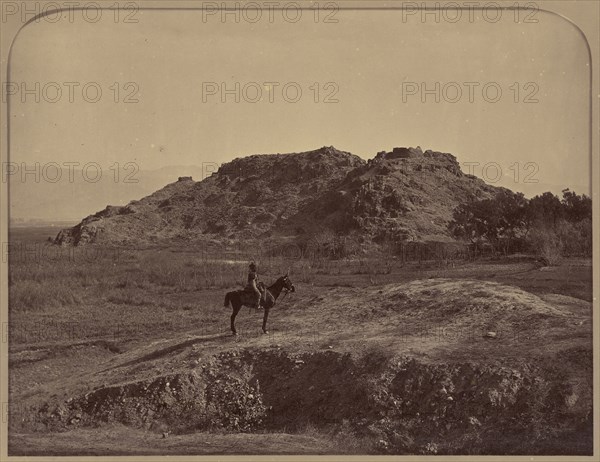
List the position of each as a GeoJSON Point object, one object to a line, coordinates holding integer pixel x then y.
{"type": "Point", "coordinates": [252, 265]}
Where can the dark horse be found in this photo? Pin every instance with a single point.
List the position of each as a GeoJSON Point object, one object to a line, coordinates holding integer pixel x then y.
{"type": "Point", "coordinates": [239, 298]}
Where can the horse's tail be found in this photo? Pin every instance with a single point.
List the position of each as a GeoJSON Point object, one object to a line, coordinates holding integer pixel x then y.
{"type": "Point", "coordinates": [227, 298]}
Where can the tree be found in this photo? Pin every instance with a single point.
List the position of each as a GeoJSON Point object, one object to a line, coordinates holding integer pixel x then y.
{"type": "Point", "coordinates": [557, 226]}
{"type": "Point", "coordinates": [545, 209]}
{"type": "Point", "coordinates": [467, 223]}
{"type": "Point", "coordinates": [499, 221]}
{"type": "Point", "coordinates": [575, 207]}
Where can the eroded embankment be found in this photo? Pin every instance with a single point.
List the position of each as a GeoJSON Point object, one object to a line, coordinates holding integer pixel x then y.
{"type": "Point", "coordinates": [400, 404]}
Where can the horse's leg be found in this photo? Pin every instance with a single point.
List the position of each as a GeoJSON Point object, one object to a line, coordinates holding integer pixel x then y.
{"type": "Point", "coordinates": [236, 310]}
{"type": "Point", "coordinates": [265, 317]}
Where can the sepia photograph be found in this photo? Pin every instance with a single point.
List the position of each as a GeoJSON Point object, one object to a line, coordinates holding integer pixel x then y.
{"type": "Point", "coordinates": [316, 228]}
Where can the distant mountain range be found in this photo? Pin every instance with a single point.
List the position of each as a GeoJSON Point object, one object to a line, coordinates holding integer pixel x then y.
{"type": "Point", "coordinates": [403, 193]}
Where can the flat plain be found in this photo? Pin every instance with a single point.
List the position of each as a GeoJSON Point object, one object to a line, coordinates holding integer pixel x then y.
{"type": "Point", "coordinates": [129, 351]}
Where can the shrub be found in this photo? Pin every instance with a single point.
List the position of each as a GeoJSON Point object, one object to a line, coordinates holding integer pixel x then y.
{"type": "Point", "coordinates": [32, 295]}
{"type": "Point", "coordinates": [575, 237]}
{"type": "Point", "coordinates": [547, 244]}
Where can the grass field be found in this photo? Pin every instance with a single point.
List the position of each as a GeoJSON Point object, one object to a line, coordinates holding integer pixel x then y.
{"type": "Point", "coordinates": [87, 320]}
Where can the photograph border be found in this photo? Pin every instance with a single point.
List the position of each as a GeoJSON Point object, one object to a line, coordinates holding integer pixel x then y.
{"type": "Point", "coordinates": [9, 34]}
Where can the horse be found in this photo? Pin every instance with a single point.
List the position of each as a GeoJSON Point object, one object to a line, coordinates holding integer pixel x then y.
{"type": "Point", "coordinates": [243, 297]}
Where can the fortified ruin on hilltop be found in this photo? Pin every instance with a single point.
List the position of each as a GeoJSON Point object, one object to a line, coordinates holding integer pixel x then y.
{"type": "Point", "coordinates": [402, 194]}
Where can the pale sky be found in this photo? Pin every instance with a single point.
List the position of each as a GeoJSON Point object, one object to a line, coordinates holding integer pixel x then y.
{"type": "Point", "coordinates": [370, 56]}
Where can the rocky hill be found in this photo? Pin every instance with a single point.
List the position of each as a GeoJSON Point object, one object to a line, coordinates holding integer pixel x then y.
{"type": "Point", "coordinates": [405, 193]}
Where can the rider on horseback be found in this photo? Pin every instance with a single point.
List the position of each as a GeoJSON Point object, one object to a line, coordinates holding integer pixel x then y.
{"type": "Point", "coordinates": [253, 283]}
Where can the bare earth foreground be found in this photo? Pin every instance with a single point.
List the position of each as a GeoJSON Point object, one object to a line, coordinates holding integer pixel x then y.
{"type": "Point", "coordinates": [484, 358]}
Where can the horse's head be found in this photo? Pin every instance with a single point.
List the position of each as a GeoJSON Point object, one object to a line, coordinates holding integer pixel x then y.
{"type": "Point", "coordinates": [287, 283]}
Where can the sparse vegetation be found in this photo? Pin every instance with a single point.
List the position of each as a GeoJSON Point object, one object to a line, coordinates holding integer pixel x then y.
{"type": "Point", "coordinates": [31, 295]}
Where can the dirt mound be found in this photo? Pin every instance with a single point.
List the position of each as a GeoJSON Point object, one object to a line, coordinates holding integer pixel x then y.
{"type": "Point", "coordinates": [452, 310]}
{"type": "Point", "coordinates": [404, 406]}
{"type": "Point", "coordinates": [406, 192]}
{"type": "Point", "coordinates": [447, 299]}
